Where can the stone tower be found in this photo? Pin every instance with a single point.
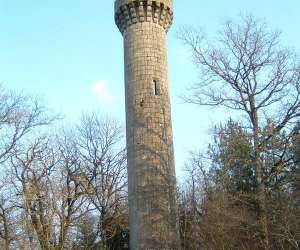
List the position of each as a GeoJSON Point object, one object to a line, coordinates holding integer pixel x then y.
{"type": "Point", "coordinates": [151, 171]}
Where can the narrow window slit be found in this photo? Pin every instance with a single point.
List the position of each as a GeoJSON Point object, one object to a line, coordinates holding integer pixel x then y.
{"type": "Point", "coordinates": [156, 88]}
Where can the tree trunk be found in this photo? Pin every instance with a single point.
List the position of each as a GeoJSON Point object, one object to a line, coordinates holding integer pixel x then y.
{"type": "Point", "coordinates": [31, 245]}
{"type": "Point", "coordinates": [261, 198]}
{"type": "Point", "coordinates": [6, 231]}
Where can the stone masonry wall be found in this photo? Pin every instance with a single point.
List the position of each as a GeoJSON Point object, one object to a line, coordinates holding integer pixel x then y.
{"type": "Point", "coordinates": [130, 12]}
{"type": "Point", "coordinates": [151, 170]}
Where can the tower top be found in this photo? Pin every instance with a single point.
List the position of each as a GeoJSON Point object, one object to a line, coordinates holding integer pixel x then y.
{"type": "Point", "coordinates": [129, 12]}
{"type": "Point", "coordinates": [119, 3]}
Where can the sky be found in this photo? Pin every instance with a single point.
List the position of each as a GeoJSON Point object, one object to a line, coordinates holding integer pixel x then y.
{"type": "Point", "coordinates": [69, 53]}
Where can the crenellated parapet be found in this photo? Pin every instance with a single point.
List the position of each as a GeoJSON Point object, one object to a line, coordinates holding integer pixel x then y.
{"type": "Point", "coordinates": [130, 12]}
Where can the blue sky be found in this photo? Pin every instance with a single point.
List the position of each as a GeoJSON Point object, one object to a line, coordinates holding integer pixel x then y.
{"type": "Point", "coordinates": [70, 54]}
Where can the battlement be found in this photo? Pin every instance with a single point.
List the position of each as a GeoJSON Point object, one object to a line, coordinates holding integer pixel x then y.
{"type": "Point", "coordinates": [129, 12]}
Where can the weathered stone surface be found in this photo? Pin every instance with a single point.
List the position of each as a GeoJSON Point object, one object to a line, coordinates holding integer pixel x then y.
{"type": "Point", "coordinates": [151, 171]}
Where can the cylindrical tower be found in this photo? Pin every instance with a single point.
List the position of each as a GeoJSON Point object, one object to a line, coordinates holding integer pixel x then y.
{"type": "Point", "coordinates": [151, 170]}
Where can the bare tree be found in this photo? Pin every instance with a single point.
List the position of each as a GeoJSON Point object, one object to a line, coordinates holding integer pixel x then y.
{"type": "Point", "coordinates": [48, 178]}
{"type": "Point", "coordinates": [245, 69]}
{"type": "Point", "coordinates": [8, 232]}
{"type": "Point", "coordinates": [19, 115]}
{"type": "Point", "coordinates": [71, 199]}
{"type": "Point", "coordinates": [86, 233]}
{"type": "Point", "coordinates": [33, 184]}
{"type": "Point", "coordinates": [54, 181]}
{"type": "Point", "coordinates": [100, 143]}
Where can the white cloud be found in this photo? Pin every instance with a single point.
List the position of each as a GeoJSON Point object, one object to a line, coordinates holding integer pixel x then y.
{"type": "Point", "coordinates": [102, 92]}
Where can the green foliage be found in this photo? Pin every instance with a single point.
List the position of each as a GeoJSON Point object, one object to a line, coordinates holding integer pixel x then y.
{"type": "Point", "coordinates": [226, 214]}
{"type": "Point", "coordinates": [232, 156]}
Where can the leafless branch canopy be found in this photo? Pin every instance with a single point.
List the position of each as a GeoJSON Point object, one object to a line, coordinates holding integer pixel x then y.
{"type": "Point", "coordinates": [19, 114]}
{"type": "Point", "coordinates": [245, 68]}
